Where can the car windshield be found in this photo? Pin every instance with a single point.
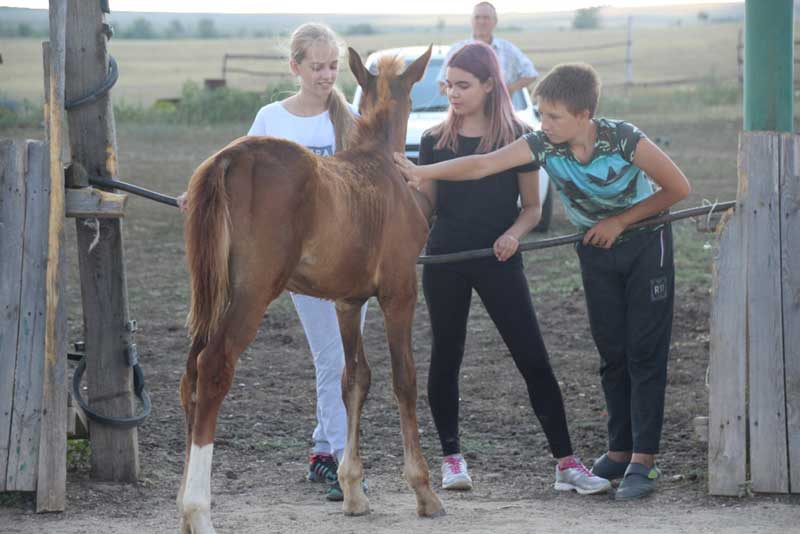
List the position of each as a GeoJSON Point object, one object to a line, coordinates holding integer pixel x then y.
{"type": "Point", "coordinates": [425, 95]}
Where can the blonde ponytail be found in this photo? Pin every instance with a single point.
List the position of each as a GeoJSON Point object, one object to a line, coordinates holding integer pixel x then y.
{"type": "Point", "coordinates": [341, 117]}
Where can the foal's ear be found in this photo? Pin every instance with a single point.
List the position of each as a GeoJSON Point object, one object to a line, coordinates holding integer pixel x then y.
{"type": "Point", "coordinates": [416, 70]}
{"type": "Point", "coordinates": [363, 76]}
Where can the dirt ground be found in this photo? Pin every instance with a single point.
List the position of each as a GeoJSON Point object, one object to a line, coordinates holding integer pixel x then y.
{"type": "Point", "coordinates": [266, 422]}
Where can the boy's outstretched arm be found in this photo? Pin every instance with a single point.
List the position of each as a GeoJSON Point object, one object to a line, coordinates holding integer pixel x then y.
{"type": "Point", "coordinates": [468, 167]}
{"type": "Point", "coordinates": [674, 188]}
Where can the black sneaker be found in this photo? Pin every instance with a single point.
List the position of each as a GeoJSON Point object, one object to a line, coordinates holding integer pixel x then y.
{"type": "Point", "coordinates": [639, 481]}
{"type": "Point", "coordinates": [605, 467]}
{"type": "Point", "coordinates": [322, 468]}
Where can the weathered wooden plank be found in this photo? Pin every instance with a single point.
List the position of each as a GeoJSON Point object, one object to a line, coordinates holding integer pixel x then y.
{"type": "Point", "coordinates": [760, 171]}
{"type": "Point", "coordinates": [52, 475]}
{"type": "Point", "coordinates": [790, 268]}
{"type": "Point", "coordinates": [727, 415]}
{"type": "Point", "coordinates": [27, 410]}
{"type": "Point", "coordinates": [93, 144]}
{"type": "Point", "coordinates": [90, 202]}
{"type": "Point", "coordinates": [12, 227]}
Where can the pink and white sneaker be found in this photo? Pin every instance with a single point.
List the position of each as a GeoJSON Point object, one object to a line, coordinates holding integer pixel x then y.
{"type": "Point", "coordinates": [454, 473]}
{"type": "Point", "coordinates": [575, 476]}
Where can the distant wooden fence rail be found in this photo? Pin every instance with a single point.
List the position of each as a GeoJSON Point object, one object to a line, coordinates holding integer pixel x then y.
{"type": "Point", "coordinates": [627, 61]}
{"type": "Point", "coordinates": [227, 69]}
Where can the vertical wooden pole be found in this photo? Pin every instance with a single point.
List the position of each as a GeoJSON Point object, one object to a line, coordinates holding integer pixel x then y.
{"type": "Point", "coordinates": [759, 207]}
{"type": "Point", "coordinates": [52, 475]}
{"type": "Point", "coordinates": [790, 271]}
{"type": "Point", "coordinates": [100, 251]}
{"type": "Point", "coordinates": [629, 55]}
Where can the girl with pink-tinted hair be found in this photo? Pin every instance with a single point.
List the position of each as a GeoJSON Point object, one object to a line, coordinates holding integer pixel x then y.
{"type": "Point", "coordinates": [481, 214]}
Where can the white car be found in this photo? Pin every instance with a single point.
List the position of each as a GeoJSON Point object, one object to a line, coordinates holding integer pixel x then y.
{"type": "Point", "coordinates": [429, 108]}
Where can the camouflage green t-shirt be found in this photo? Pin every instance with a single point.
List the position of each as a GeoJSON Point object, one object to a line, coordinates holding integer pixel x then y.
{"type": "Point", "coordinates": [607, 185]}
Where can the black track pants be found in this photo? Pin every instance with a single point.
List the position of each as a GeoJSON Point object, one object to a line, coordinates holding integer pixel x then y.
{"type": "Point", "coordinates": [629, 295]}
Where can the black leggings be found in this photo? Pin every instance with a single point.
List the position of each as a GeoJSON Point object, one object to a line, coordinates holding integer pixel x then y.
{"type": "Point", "coordinates": [503, 289]}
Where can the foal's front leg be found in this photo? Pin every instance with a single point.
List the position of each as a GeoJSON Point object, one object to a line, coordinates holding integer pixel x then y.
{"type": "Point", "coordinates": [356, 380]}
{"type": "Point", "coordinates": [398, 311]}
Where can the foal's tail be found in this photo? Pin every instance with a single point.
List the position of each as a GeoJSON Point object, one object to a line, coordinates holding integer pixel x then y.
{"type": "Point", "coordinates": [207, 235]}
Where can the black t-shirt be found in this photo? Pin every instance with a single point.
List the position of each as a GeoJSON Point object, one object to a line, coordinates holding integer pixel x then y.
{"type": "Point", "coordinates": [471, 214]}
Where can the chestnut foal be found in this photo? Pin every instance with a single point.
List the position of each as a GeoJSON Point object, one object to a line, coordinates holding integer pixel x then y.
{"type": "Point", "coordinates": [266, 214]}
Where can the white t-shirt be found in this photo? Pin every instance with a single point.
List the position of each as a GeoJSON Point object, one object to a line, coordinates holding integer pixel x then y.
{"type": "Point", "coordinates": [315, 132]}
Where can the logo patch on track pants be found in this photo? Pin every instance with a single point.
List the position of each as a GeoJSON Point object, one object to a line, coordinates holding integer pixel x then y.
{"type": "Point", "coordinates": [658, 289]}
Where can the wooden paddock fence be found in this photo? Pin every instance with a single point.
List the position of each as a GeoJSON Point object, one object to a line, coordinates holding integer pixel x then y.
{"type": "Point", "coordinates": [34, 204]}
{"type": "Point", "coordinates": [33, 394]}
{"type": "Point", "coordinates": [754, 366]}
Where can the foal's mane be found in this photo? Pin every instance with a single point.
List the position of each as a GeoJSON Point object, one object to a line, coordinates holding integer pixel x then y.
{"type": "Point", "coordinates": [374, 125]}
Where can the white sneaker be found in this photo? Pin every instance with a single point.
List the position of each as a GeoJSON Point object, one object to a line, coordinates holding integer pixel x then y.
{"type": "Point", "coordinates": [576, 477]}
{"type": "Point", "coordinates": [454, 473]}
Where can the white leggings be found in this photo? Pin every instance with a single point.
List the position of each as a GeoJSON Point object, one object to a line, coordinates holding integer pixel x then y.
{"type": "Point", "coordinates": [321, 326]}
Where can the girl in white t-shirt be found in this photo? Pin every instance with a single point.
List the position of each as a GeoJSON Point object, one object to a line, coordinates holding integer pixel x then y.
{"type": "Point", "coordinates": [319, 118]}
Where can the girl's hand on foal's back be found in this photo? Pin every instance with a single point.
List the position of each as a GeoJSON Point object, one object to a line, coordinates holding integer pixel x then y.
{"type": "Point", "coordinates": [408, 170]}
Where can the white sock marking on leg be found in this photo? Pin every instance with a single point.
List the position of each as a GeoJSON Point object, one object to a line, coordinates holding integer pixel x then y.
{"type": "Point", "coordinates": [197, 495]}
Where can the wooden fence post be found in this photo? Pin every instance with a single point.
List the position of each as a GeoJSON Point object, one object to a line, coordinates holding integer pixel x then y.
{"type": "Point", "coordinates": [759, 206]}
{"type": "Point", "coordinates": [790, 273]}
{"type": "Point", "coordinates": [754, 402]}
{"type": "Point", "coordinates": [52, 461]}
{"type": "Point", "coordinates": [727, 404]}
{"type": "Point", "coordinates": [629, 55]}
{"type": "Point", "coordinates": [100, 251]}
{"type": "Point", "coordinates": [12, 216]}
{"type": "Point", "coordinates": [740, 56]}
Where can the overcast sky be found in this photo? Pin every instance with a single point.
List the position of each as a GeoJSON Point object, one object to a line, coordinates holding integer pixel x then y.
{"type": "Point", "coordinates": [407, 7]}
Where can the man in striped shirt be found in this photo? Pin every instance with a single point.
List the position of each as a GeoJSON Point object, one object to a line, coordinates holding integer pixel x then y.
{"type": "Point", "coordinates": [518, 70]}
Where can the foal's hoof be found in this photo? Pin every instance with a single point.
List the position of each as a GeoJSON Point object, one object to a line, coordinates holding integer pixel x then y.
{"type": "Point", "coordinates": [438, 513]}
{"type": "Point", "coordinates": [431, 512]}
{"type": "Point", "coordinates": [357, 514]}
{"type": "Point", "coordinates": [354, 510]}
{"type": "Point", "coordinates": [429, 504]}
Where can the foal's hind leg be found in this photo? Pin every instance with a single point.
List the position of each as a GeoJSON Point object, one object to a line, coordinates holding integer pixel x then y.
{"type": "Point", "coordinates": [355, 385]}
{"type": "Point", "coordinates": [187, 392]}
{"type": "Point", "coordinates": [398, 309]}
{"type": "Point", "coordinates": [215, 369]}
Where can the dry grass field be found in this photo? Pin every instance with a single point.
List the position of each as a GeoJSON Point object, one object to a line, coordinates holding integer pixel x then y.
{"type": "Point", "coordinates": [153, 69]}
